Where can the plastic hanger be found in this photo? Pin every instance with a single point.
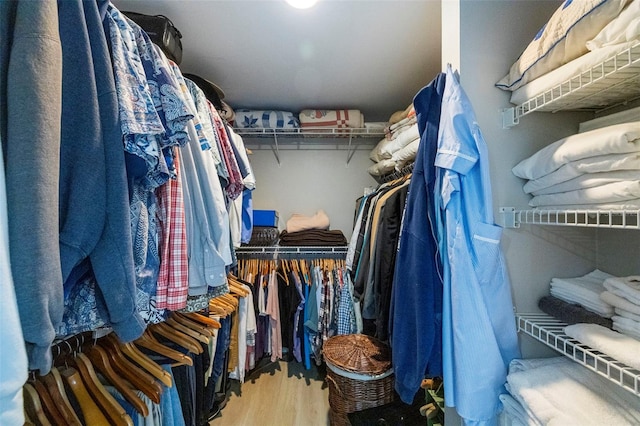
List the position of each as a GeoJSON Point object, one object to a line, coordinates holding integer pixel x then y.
{"type": "Point", "coordinates": [110, 407]}
{"type": "Point", "coordinates": [148, 341]}
{"type": "Point", "coordinates": [90, 410]}
{"type": "Point", "coordinates": [33, 406]}
{"type": "Point", "coordinates": [187, 342]}
{"type": "Point", "coordinates": [101, 362]}
{"type": "Point", "coordinates": [51, 411]}
{"type": "Point", "coordinates": [138, 377]}
{"type": "Point", "coordinates": [135, 355]}
{"type": "Point", "coordinates": [54, 385]}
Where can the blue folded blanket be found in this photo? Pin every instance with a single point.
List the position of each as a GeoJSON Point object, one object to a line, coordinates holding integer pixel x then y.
{"type": "Point", "coordinates": [265, 119]}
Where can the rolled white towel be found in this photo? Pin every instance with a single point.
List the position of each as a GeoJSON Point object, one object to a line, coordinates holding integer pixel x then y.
{"type": "Point", "coordinates": [626, 314]}
{"type": "Point", "coordinates": [618, 346]}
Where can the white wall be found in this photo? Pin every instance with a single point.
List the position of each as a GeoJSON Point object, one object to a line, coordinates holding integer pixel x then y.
{"type": "Point", "coordinates": [308, 180]}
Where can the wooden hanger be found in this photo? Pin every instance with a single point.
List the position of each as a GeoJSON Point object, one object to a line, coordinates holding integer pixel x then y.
{"type": "Point", "coordinates": [101, 362]}
{"type": "Point", "coordinates": [187, 342]}
{"type": "Point", "coordinates": [110, 407]}
{"type": "Point", "coordinates": [135, 355]}
{"type": "Point", "coordinates": [199, 336]}
{"type": "Point", "coordinates": [203, 319]}
{"type": "Point", "coordinates": [51, 411]}
{"type": "Point", "coordinates": [54, 385]}
{"type": "Point", "coordinates": [148, 341]}
{"type": "Point", "coordinates": [33, 406]}
{"type": "Point", "coordinates": [90, 410]}
{"type": "Point", "coordinates": [137, 376]}
{"type": "Point", "coordinates": [192, 324]}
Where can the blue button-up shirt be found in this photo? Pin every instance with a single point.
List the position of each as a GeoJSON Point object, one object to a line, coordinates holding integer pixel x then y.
{"type": "Point", "coordinates": [479, 329]}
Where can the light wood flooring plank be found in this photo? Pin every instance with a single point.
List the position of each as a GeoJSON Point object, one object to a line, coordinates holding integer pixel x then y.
{"type": "Point", "coordinates": [278, 394]}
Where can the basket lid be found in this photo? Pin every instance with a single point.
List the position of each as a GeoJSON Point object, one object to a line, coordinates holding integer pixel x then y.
{"type": "Point", "coordinates": [358, 353]}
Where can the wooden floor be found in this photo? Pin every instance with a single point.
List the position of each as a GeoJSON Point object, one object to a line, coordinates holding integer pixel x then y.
{"type": "Point", "coordinates": [281, 393]}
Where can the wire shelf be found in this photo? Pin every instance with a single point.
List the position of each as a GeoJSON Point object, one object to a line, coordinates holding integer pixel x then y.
{"type": "Point", "coordinates": [317, 132]}
{"type": "Point", "coordinates": [619, 219]}
{"type": "Point", "coordinates": [612, 82]}
{"type": "Point", "coordinates": [550, 331]}
{"type": "Point", "coordinates": [284, 252]}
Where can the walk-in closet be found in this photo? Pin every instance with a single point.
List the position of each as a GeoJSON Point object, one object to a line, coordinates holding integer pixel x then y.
{"type": "Point", "coordinates": [392, 212]}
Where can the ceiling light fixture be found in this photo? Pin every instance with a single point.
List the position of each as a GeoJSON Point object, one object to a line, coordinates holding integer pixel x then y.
{"type": "Point", "coordinates": [302, 4]}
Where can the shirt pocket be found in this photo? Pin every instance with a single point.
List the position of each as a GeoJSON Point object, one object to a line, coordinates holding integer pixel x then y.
{"type": "Point", "coordinates": [486, 256]}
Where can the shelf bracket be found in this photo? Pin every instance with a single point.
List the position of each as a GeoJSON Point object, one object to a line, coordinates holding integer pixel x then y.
{"type": "Point", "coordinates": [509, 219]}
{"type": "Point", "coordinates": [350, 152]}
{"type": "Point", "coordinates": [509, 118]}
{"type": "Point", "coordinates": [275, 148]}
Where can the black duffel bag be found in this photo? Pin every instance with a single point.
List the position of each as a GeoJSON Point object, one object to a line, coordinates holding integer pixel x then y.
{"type": "Point", "coordinates": [162, 32]}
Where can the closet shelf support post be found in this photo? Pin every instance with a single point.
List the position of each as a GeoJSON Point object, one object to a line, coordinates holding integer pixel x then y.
{"type": "Point", "coordinates": [275, 148]}
{"type": "Point", "coordinates": [350, 151]}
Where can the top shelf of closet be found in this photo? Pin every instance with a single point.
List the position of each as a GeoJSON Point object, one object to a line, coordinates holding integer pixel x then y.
{"type": "Point", "coordinates": [612, 82]}
{"type": "Point", "coordinates": [312, 132]}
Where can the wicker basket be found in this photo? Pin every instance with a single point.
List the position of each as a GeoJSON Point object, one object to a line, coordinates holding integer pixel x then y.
{"type": "Point", "coordinates": [359, 375]}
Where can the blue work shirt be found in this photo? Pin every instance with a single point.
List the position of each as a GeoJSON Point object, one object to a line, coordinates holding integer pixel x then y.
{"type": "Point", "coordinates": [415, 318]}
{"type": "Point", "coordinates": [479, 328]}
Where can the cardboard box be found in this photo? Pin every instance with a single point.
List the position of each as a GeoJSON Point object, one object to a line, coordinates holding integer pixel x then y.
{"type": "Point", "coordinates": [265, 218]}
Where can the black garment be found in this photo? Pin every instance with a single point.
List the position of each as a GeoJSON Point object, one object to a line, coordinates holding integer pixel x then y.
{"type": "Point", "coordinates": [288, 300]}
{"type": "Point", "coordinates": [386, 249]}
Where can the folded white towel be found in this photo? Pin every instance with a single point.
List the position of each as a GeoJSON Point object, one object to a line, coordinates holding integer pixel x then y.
{"type": "Point", "coordinates": [620, 302]}
{"type": "Point", "coordinates": [632, 332]}
{"type": "Point", "coordinates": [515, 414]}
{"type": "Point", "coordinates": [523, 364]}
{"type": "Point", "coordinates": [618, 346]}
{"type": "Point", "coordinates": [601, 308]}
{"type": "Point", "coordinates": [607, 193]}
{"type": "Point", "coordinates": [627, 287]}
{"type": "Point", "coordinates": [627, 323]}
{"type": "Point", "coordinates": [626, 314]}
{"type": "Point", "coordinates": [568, 394]}
{"type": "Point", "coordinates": [584, 290]}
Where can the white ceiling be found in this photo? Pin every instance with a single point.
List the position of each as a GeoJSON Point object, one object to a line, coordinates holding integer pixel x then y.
{"type": "Point", "coordinates": [369, 55]}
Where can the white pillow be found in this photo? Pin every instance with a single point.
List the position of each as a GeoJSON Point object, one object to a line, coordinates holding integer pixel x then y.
{"type": "Point", "coordinates": [376, 153]}
{"type": "Point", "coordinates": [562, 39]}
{"type": "Point", "coordinates": [404, 138]}
{"type": "Point", "coordinates": [406, 154]}
{"type": "Point", "coordinates": [616, 139]}
{"type": "Point", "coordinates": [382, 168]}
{"type": "Point", "coordinates": [626, 27]}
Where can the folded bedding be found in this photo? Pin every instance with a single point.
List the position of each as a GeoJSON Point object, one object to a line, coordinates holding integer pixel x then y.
{"type": "Point", "coordinates": [299, 222]}
{"type": "Point", "coordinates": [393, 131]}
{"type": "Point", "coordinates": [565, 393]}
{"type": "Point", "coordinates": [405, 155]}
{"type": "Point", "coordinates": [590, 180]}
{"type": "Point", "coordinates": [400, 115]}
{"type": "Point", "coordinates": [625, 27]}
{"type": "Point", "coordinates": [616, 139]}
{"type": "Point", "coordinates": [627, 287]}
{"type": "Point", "coordinates": [381, 168]}
{"type": "Point", "coordinates": [376, 154]}
{"type": "Point", "coordinates": [571, 313]}
{"type": "Point", "coordinates": [265, 119]}
{"type": "Point", "coordinates": [623, 205]}
{"type": "Point", "coordinates": [617, 345]}
{"type": "Point", "coordinates": [313, 237]}
{"type": "Point", "coordinates": [338, 118]}
{"type": "Point", "coordinates": [607, 193]}
{"type": "Point", "coordinates": [403, 139]}
{"type": "Point", "coordinates": [584, 291]}
{"type": "Point", "coordinates": [574, 169]}
{"type": "Point", "coordinates": [620, 302]}
{"type": "Point", "coordinates": [567, 71]}
{"type": "Point", "coordinates": [588, 303]}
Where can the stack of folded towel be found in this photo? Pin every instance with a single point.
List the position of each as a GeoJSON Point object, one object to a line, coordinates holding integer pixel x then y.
{"type": "Point", "coordinates": [400, 145]}
{"type": "Point", "coordinates": [623, 293]}
{"type": "Point", "coordinates": [558, 391]}
{"type": "Point", "coordinates": [584, 291]}
{"type": "Point", "coordinates": [597, 169]}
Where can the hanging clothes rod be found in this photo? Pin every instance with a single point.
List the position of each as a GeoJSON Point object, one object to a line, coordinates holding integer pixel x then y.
{"type": "Point", "coordinates": [397, 174]}
{"type": "Point", "coordinates": [297, 252]}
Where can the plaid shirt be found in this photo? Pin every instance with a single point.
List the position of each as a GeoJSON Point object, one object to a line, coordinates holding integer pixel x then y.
{"type": "Point", "coordinates": [173, 282]}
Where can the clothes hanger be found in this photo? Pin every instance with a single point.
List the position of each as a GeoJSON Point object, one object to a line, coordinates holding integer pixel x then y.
{"type": "Point", "coordinates": [137, 376]}
{"type": "Point", "coordinates": [192, 324]}
{"type": "Point", "coordinates": [148, 341]}
{"type": "Point", "coordinates": [187, 342]}
{"type": "Point", "coordinates": [90, 410]}
{"type": "Point", "coordinates": [51, 411]}
{"type": "Point", "coordinates": [101, 362]}
{"type": "Point", "coordinates": [53, 382]}
{"type": "Point", "coordinates": [110, 407]}
{"type": "Point", "coordinates": [199, 336]}
{"type": "Point", "coordinates": [203, 319]}
{"type": "Point", "coordinates": [33, 406]}
{"type": "Point", "coordinates": [135, 355]}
